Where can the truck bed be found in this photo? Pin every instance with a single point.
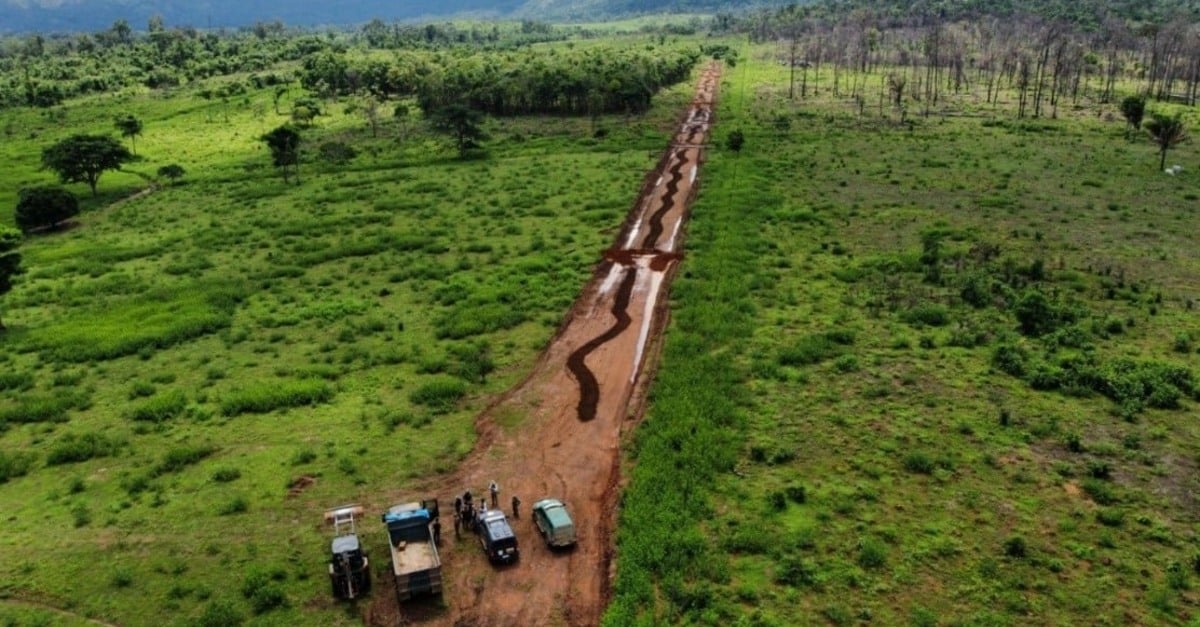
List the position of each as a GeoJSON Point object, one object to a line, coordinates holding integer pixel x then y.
{"type": "Point", "coordinates": [414, 557]}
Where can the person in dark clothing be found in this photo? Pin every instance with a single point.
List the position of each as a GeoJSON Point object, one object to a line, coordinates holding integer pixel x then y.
{"type": "Point", "coordinates": [516, 503]}
{"type": "Point", "coordinates": [437, 531]}
{"type": "Point", "coordinates": [495, 490]}
{"type": "Point", "coordinates": [457, 523]}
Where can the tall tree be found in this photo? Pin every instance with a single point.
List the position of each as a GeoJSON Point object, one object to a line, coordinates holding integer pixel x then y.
{"type": "Point", "coordinates": [10, 260]}
{"type": "Point", "coordinates": [1166, 131]}
{"type": "Point", "coordinates": [130, 128]}
{"type": "Point", "coordinates": [462, 123]}
{"type": "Point", "coordinates": [284, 143]}
{"type": "Point", "coordinates": [83, 158]}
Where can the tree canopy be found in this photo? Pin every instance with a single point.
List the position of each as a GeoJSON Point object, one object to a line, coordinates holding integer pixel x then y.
{"type": "Point", "coordinates": [284, 144]}
{"type": "Point", "coordinates": [1166, 131]}
{"type": "Point", "coordinates": [44, 207]}
{"type": "Point", "coordinates": [83, 158]}
{"type": "Point", "coordinates": [462, 123]}
{"type": "Point", "coordinates": [130, 128]}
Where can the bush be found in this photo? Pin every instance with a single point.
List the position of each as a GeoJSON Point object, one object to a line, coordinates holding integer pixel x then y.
{"type": "Point", "coordinates": [812, 349]}
{"type": "Point", "coordinates": [440, 394]}
{"type": "Point", "coordinates": [74, 448]}
{"type": "Point", "coordinates": [44, 207]}
{"type": "Point", "coordinates": [225, 475]}
{"type": "Point", "coordinates": [797, 494]}
{"type": "Point", "coordinates": [160, 408]}
{"type": "Point", "coordinates": [179, 458]}
{"type": "Point", "coordinates": [1015, 547]}
{"type": "Point", "coordinates": [14, 464]}
{"type": "Point", "coordinates": [337, 153]}
{"type": "Point", "coordinates": [919, 462]}
{"type": "Point", "coordinates": [872, 553]}
{"type": "Point", "coordinates": [1011, 359]}
{"type": "Point", "coordinates": [236, 505]}
{"type": "Point", "coordinates": [795, 571]}
{"type": "Point", "coordinates": [219, 614]}
{"type": "Point", "coordinates": [931, 315]}
{"type": "Point", "coordinates": [265, 397]}
{"type": "Point", "coordinates": [43, 408]}
{"type": "Point", "coordinates": [15, 381]}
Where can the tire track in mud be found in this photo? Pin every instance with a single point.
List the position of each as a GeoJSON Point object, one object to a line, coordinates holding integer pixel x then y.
{"type": "Point", "coordinates": [668, 202]}
{"type": "Point", "coordinates": [589, 387]}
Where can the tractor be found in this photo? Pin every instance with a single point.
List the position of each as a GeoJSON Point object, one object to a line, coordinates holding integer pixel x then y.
{"type": "Point", "coordinates": [349, 571]}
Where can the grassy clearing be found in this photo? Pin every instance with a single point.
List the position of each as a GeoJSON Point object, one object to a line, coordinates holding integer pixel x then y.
{"type": "Point", "coordinates": [1003, 436]}
{"type": "Point", "coordinates": [196, 352]}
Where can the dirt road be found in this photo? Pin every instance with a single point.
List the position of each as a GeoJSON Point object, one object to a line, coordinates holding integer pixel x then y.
{"type": "Point", "coordinates": [584, 390]}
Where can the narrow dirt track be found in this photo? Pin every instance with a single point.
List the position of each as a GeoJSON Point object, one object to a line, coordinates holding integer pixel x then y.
{"type": "Point", "coordinates": [587, 387]}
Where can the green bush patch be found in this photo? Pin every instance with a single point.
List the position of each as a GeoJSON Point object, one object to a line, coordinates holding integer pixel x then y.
{"type": "Point", "coordinates": [260, 398]}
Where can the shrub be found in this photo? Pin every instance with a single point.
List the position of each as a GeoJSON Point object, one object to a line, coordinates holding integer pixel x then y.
{"type": "Point", "coordinates": [44, 207]}
{"type": "Point", "coordinates": [919, 462]}
{"type": "Point", "coordinates": [265, 397]}
{"type": "Point", "coordinates": [43, 408]}
{"type": "Point", "coordinates": [1015, 547]}
{"type": "Point", "coordinates": [261, 587]}
{"type": "Point", "coordinates": [777, 500]}
{"type": "Point", "coordinates": [179, 458]}
{"type": "Point", "coordinates": [1100, 491]}
{"type": "Point", "coordinates": [14, 464]}
{"type": "Point", "coordinates": [812, 349]}
{"type": "Point", "coordinates": [15, 381]}
{"type": "Point", "coordinates": [1011, 359]}
{"type": "Point", "coordinates": [160, 408]}
{"type": "Point", "coordinates": [872, 553]}
{"type": "Point", "coordinates": [225, 475]}
{"type": "Point", "coordinates": [74, 448]}
{"type": "Point", "coordinates": [337, 153]}
{"type": "Point", "coordinates": [439, 394]}
{"type": "Point", "coordinates": [81, 516]}
{"type": "Point", "coordinates": [930, 315]}
{"type": "Point", "coordinates": [846, 364]}
{"type": "Point", "coordinates": [121, 578]}
{"type": "Point", "coordinates": [797, 494]}
{"type": "Point", "coordinates": [219, 614]}
{"type": "Point", "coordinates": [1183, 343]}
{"type": "Point", "coordinates": [1110, 517]}
{"type": "Point", "coordinates": [795, 571]}
{"type": "Point", "coordinates": [236, 505]}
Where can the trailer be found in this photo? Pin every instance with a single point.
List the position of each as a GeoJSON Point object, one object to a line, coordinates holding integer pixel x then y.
{"type": "Point", "coordinates": [416, 564]}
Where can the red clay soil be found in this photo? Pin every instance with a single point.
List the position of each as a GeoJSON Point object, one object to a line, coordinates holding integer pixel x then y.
{"type": "Point", "coordinates": [584, 391]}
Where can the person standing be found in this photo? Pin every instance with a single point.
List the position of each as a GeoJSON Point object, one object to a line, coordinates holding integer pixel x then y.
{"type": "Point", "coordinates": [516, 503]}
{"type": "Point", "coordinates": [495, 490]}
{"type": "Point", "coordinates": [437, 531]}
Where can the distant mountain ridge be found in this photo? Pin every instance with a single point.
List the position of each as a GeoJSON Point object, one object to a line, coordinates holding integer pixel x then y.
{"type": "Point", "coordinates": [50, 16]}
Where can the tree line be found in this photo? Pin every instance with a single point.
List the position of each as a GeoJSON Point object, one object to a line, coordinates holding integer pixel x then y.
{"type": "Point", "coordinates": [605, 79]}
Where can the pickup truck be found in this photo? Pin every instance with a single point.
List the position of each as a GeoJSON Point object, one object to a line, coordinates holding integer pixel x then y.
{"type": "Point", "coordinates": [497, 537]}
{"type": "Point", "coordinates": [554, 523]}
{"type": "Point", "coordinates": [415, 560]}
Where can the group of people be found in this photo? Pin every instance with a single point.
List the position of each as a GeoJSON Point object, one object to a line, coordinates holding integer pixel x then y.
{"type": "Point", "coordinates": [466, 513]}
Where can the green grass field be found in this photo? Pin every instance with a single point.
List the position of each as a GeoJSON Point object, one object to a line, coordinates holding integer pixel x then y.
{"type": "Point", "coordinates": [932, 375]}
{"type": "Point", "coordinates": [191, 376]}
